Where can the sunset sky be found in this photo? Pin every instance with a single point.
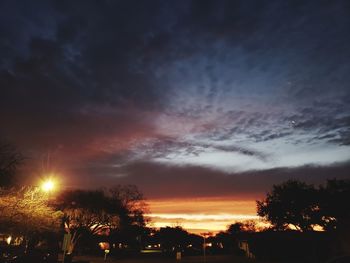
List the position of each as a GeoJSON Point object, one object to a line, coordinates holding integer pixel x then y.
{"type": "Point", "coordinates": [203, 105]}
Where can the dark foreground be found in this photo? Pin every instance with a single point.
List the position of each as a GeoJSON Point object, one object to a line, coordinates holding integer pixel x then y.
{"type": "Point", "coordinates": [209, 259]}
{"type": "Point", "coordinates": [188, 259]}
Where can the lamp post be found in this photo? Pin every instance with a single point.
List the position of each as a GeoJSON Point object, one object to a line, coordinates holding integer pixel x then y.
{"type": "Point", "coordinates": [204, 247]}
{"type": "Point", "coordinates": [205, 235]}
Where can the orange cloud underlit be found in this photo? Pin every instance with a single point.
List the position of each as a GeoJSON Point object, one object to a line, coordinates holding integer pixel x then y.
{"type": "Point", "coordinates": [201, 214]}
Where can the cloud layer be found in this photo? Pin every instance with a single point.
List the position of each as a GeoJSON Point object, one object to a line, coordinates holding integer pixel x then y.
{"type": "Point", "coordinates": [226, 90]}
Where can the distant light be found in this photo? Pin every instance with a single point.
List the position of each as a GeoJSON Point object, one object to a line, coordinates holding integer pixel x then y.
{"type": "Point", "coordinates": [8, 240]}
{"type": "Point", "coordinates": [104, 245]}
{"type": "Point", "coordinates": [48, 186]}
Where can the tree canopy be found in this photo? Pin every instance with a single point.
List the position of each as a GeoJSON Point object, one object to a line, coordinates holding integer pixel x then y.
{"type": "Point", "coordinates": [334, 204]}
{"type": "Point", "coordinates": [239, 227]}
{"type": "Point", "coordinates": [100, 211]}
{"type": "Point", "coordinates": [86, 211]}
{"type": "Point", "coordinates": [26, 212]}
{"type": "Point", "coordinates": [174, 239]}
{"type": "Point", "coordinates": [295, 203]}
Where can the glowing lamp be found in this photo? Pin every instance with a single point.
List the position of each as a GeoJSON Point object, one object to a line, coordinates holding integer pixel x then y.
{"type": "Point", "coordinates": [48, 186]}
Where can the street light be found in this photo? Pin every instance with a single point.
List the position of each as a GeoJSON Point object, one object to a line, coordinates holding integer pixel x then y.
{"type": "Point", "coordinates": [48, 185]}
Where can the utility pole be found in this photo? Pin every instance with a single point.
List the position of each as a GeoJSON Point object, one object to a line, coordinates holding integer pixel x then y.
{"type": "Point", "coordinates": [205, 235]}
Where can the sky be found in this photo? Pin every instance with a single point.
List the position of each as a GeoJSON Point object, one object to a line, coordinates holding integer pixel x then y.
{"type": "Point", "coordinates": [204, 105]}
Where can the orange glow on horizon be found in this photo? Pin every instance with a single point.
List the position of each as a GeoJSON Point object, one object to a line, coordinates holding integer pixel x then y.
{"type": "Point", "coordinates": [201, 214]}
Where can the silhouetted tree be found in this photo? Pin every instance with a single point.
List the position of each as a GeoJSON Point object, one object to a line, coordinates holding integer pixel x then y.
{"type": "Point", "coordinates": [87, 211]}
{"type": "Point", "coordinates": [335, 209]}
{"type": "Point", "coordinates": [10, 159]}
{"type": "Point", "coordinates": [235, 228]}
{"type": "Point", "coordinates": [334, 204]}
{"type": "Point", "coordinates": [131, 204]}
{"type": "Point", "coordinates": [229, 239]}
{"type": "Point", "coordinates": [132, 223]}
{"type": "Point", "coordinates": [172, 238]}
{"type": "Point", "coordinates": [239, 227]}
{"type": "Point", "coordinates": [291, 203]}
{"type": "Point", "coordinates": [91, 212]}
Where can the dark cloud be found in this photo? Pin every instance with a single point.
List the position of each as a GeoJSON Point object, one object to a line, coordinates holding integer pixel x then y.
{"type": "Point", "coordinates": [163, 181]}
{"type": "Point", "coordinates": [106, 84]}
{"type": "Point", "coordinates": [164, 146]}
